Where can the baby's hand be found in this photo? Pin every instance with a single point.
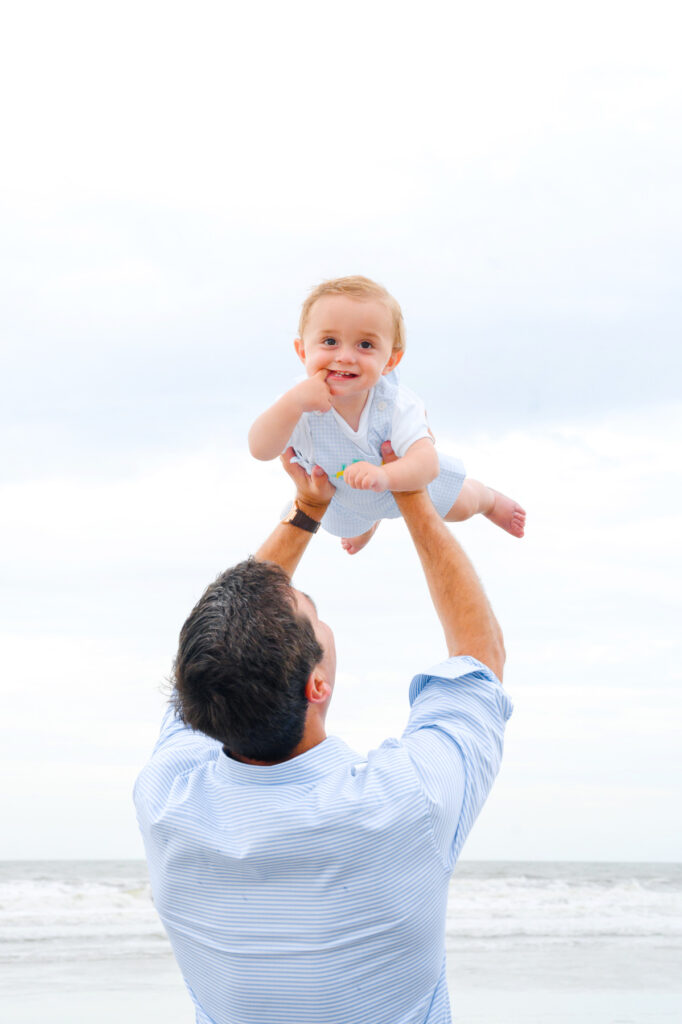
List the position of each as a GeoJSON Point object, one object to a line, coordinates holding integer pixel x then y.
{"type": "Point", "coordinates": [313, 394]}
{"type": "Point", "coordinates": [366, 477]}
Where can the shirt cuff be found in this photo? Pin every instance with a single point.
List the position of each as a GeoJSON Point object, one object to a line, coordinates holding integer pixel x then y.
{"type": "Point", "coordinates": [453, 668]}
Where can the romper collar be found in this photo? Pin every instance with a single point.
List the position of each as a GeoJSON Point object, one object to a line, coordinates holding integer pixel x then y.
{"type": "Point", "coordinates": [364, 417]}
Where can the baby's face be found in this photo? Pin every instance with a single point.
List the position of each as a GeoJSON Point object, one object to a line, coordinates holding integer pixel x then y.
{"type": "Point", "coordinates": [352, 339]}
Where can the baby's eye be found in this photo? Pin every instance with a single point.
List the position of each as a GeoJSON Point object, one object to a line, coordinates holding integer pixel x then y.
{"type": "Point", "coordinates": [328, 341]}
{"type": "Point", "coordinates": [366, 345]}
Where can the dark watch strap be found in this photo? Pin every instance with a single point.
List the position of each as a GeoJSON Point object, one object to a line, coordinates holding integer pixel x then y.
{"type": "Point", "coordinates": [299, 518]}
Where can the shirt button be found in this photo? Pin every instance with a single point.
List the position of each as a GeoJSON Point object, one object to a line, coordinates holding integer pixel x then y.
{"type": "Point", "coordinates": [381, 406]}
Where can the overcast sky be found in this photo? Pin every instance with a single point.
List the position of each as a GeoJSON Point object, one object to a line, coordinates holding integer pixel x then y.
{"type": "Point", "coordinates": [175, 179]}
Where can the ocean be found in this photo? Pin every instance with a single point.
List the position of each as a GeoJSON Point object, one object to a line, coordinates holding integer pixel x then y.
{"type": "Point", "coordinates": [594, 943]}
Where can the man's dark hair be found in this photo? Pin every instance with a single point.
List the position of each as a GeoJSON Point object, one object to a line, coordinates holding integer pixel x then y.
{"type": "Point", "coordinates": [244, 657]}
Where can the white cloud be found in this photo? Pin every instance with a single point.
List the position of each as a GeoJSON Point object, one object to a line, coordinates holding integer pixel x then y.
{"type": "Point", "coordinates": [146, 102]}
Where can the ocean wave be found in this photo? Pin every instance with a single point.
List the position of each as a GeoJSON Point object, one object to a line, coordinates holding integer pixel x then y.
{"type": "Point", "coordinates": [96, 911]}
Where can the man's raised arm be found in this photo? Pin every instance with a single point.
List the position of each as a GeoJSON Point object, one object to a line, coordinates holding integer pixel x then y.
{"type": "Point", "coordinates": [288, 541]}
{"type": "Point", "coordinates": [466, 616]}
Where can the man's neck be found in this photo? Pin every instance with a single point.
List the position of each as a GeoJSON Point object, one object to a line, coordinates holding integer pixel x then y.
{"type": "Point", "coordinates": [313, 734]}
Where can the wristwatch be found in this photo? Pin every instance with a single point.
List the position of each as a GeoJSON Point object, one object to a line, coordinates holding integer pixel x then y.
{"type": "Point", "coordinates": [297, 517]}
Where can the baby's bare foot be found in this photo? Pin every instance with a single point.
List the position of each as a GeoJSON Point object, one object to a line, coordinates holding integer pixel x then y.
{"type": "Point", "coordinates": [507, 514]}
{"type": "Point", "coordinates": [354, 544]}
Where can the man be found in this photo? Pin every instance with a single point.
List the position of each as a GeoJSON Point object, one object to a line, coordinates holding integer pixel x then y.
{"type": "Point", "coordinates": [296, 881]}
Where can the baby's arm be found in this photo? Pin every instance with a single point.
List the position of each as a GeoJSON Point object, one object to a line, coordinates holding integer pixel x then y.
{"type": "Point", "coordinates": [271, 431]}
{"type": "Point", "coordinates": [417, 468]}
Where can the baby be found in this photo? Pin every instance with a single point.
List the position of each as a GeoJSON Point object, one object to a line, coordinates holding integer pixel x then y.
{"type": "Point", "coordinates": [351, 339]}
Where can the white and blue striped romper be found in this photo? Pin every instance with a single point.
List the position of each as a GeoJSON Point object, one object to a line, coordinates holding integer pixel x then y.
{"type": "Point", "coordinates": [392, 413]}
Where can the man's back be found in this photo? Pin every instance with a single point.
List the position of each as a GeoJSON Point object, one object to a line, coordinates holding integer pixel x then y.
{"type": "Point", "coordinates": [315, 890]}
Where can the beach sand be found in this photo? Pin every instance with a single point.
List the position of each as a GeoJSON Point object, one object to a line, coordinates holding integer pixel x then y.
{"type": "Point", "coordinates": [139, 992]}
{"type": "Point", "coordinates": [169, 1003]}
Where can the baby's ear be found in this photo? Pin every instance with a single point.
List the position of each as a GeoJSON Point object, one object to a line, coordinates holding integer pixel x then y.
{"type": "Point", "coordinates": [300, 349]}
{"type": "Point", "coordinates": [396, 356]}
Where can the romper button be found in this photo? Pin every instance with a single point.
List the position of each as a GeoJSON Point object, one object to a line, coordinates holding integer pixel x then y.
{"type": "Point", "coordinates": [381, 406]}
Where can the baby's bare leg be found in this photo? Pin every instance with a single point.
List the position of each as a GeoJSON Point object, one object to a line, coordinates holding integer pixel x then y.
{"type": "Point", "coordinates": [354, 544]}
{"type": "Point", "coordinates": [476, 497]}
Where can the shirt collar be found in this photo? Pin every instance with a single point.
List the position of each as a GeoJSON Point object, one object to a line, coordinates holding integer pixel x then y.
{"type": "Point", "coordinates": [320, 760]}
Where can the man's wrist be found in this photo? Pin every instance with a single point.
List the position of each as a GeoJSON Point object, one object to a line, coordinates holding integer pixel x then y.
{"type": "Point", "coordinates": [305, 515]}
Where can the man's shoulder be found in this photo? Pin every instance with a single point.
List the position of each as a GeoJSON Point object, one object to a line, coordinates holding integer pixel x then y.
{"type": "Point", "coordinates": [179, 751]}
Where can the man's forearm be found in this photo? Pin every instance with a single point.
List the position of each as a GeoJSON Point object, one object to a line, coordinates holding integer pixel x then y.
{"type": "Point", "coordinates": [459, 599]}
{"type": "Point", "coordinates": [287, 543]}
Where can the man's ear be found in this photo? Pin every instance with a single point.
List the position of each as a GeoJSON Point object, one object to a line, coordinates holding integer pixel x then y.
{"type": "Point", "coordinates": [317, 689]}
{"type": "Point", "coordinates": [396, 356]}
{"type": "Point", "coordinates": [300, 349]}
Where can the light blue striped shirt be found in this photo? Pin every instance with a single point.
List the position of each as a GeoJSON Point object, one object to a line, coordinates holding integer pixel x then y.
{"type": "Point", "coordinates": [314, 891]}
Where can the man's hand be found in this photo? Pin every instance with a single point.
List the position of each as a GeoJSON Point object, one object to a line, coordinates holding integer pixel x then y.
{"type": "Point", "coordinates": [313, 490]}
{"type": "Point", "coordinates": [387, 453]}
{"type": "Point", "coordinates": [366, 477]}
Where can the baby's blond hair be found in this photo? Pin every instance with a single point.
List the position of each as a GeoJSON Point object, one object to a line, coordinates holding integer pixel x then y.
{"type": "Point", "coordinates": [357, 287]}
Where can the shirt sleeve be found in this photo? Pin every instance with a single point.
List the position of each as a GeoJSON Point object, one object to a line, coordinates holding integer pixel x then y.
{"type": "Point", "coordinates": [178, 749]}
{"type": "Point", "coordinates": [409, 421]}
{"type": "Point", "coordinates": [302, 443]}
{"type": "Point", "coordinates": [454, 739]}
